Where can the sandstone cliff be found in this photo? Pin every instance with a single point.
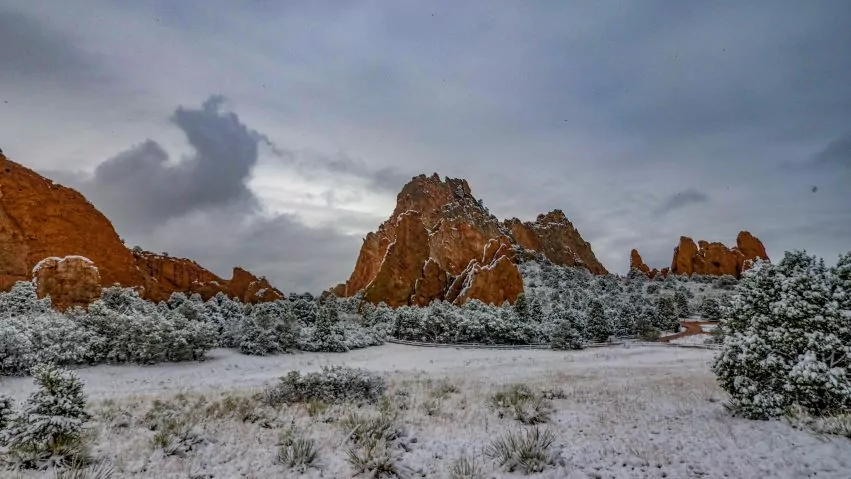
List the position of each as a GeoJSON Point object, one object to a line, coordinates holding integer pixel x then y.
{"type": "Point", "coordinates": [442, 243]}
{"type": "Point", "coordinates": [40, 219]}
{"type": "Point", "coordinates": [712, 259]}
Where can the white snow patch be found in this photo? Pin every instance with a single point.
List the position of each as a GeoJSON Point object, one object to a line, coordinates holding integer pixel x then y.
{"type": "Point", "coordinates": [633, 412]}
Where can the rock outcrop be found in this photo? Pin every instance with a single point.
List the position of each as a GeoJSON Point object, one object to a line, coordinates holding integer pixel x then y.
{"type": "Point", "coordinates": [69, 281]}
{"type": "Point", "coordinates": [554, 236]}
{"type": "Point", "coordinates": [40, 219]}
{"type": "Point", "coordinates": [442, 243]}
{"type": "Point", "coordinates": [711, 259]}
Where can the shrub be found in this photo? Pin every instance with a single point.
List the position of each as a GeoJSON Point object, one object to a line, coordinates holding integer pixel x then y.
{"type": "Point", "coordinates": [785, 341]}
{"type": "Point", "coordinates": [466, 468]}
{"type": "Point", "coordinates": [51, 422]}
{"type": "Point", "coordinates": [297, 451]}
{"type": "Point", "coordinates": [377, 458]}
{"type": "Point", "coordinates": [530, 450]}
{"type": "Point", "coordinates": [526, 406]}
{"type": "Point", "coordinates": [333, 384]}
{"type": "Point", "coordinates": [364, 428]}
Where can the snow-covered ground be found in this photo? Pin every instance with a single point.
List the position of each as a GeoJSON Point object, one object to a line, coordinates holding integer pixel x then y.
{"type": "Point", "coordinates": [699, 339]}
{"type": "Point", "coordinates": [627, 412]}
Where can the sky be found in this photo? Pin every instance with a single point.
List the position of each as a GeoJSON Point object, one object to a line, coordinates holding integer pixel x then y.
{"type": "Point", "coordinates": [275, 134]}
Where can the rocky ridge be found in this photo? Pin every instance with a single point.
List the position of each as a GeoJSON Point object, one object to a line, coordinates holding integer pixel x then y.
{"type": "Point", "coordinates": [42, 220]}
{"type": "Point", "coordinates": [705, 258]}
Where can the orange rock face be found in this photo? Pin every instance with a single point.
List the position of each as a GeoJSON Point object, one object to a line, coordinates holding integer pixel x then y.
{"type": "Point", "coordinates": [442, 243]}
{"type": "Point", "coordinates": [69, 281]}
{"type": "Point", "coordinates": [711, 259]}
{"type": "Point", "coordinates": [635, 262]}
{"type": "Point", "coordinates": [556, 237]}
{"type": "Point", "coordinates": [40, 219]}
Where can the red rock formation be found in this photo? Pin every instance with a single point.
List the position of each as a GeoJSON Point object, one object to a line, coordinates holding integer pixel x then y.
{"type": "Point", "coordinates": [40, 219]}
{"type": "Point", "coordinates": [556, 237]}
{"type": "Point", "coordinates": [712, 259]}
{"type": "Point", "coordinates": [69, 281]}
{"type": "Point", "coordinates": [403, 264]}
{"type": "Point", "coordinates": [635, 262]}
{"type": "Point", "coordinates": [442, 243]}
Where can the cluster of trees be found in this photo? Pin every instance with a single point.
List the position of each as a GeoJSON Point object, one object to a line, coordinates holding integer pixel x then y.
{"type": "Point", "coordinates": [787, 338]}
{"type": "Point", "coordinates": [563, 306]}
{"type": "Point", "coordinates": [122, 327]}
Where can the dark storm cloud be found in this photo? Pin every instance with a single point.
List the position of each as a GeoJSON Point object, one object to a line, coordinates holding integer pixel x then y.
{"type": "Point", "coordinates": [591, 107]}
{"type": "Point", "coordinates": [679, 200]}
{"type": "Point", "coordinates": [30, 49]}
{"type": "Point", "coordinates": [145, 187]}
{"type": "Point", "coordinates": [836, 155]}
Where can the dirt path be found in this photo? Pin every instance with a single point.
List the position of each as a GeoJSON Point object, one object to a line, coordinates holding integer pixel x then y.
{"type": "Point", "coordinates": [691, 328]}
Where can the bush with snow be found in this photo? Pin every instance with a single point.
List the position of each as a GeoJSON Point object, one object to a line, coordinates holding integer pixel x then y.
{"type": "Point", "coordinates": [786, 340]}
{"type": "Point", "coordinates": [333, 384]}
{"type": "Point", "coordinates": [50, 426]}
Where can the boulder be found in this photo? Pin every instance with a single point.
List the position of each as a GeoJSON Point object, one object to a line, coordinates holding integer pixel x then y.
{"type": "Point", "coordinates": [69, 281]}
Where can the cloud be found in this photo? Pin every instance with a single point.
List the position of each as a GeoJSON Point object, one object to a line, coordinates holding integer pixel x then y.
{"type": "Point", "coordinates": [31, 50]}
{"type": "Point", "coordinates": [142, 187]}
{"type": "Point", "coordinates": [836, 155]}
{"type": "Point", "coordinates": [679, 200]}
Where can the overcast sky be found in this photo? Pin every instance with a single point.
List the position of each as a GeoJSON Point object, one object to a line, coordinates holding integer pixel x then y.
{"type": "Point", "coordinates": [275, 134]}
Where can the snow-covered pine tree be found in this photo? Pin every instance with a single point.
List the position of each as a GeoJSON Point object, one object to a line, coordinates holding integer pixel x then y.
{"type": "Point", "coordinates": [521, 307]}
{"type": "Point", "coordinates": [51, 422]}
{"type": "Point", "coordinates": [710, 310]}
{"type": "Point", "coordinates": [841, 287]}
{"type": "Point", "coordinates": [599, 328]}
{"type": "Point", "coordinates": [7, 413]}
{"type": "Point", "coordinates": [666, 318]}
{"type": "Point", "coordinates": [784, 341]}
{"type": "Point", "coordinates": [681, 300]}
{"type": "Point", "coordinates": [566, 329]}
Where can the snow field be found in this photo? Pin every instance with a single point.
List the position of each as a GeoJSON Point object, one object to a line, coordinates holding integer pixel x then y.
{"type": "Point", "coordinates": [638, 412]}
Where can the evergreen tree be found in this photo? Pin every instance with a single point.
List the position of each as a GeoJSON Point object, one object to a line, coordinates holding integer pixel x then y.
{"type": "Point", "coordinates": [52, 419]}
{"type": "Point", "coordinates": [710, 310]}
{"type": "Point", "coordinates": [599, 328]}
{"type": "Point", "coordinates": [785, 342]}
{"type": "Point", "coordinates": [7, 414]}
{"type": "Point", "coordinates": [521, 308]}
{"type": "Point", "coordinates": [666, 318]}
{"type": "Point", "coordinates": [841, 284]}
{"type": "Point", "coordinates": [536, 309]}
{"type": "Point", "coordinates": [681, 300]}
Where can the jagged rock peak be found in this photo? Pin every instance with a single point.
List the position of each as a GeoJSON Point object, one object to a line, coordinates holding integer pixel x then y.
{"type": "Point", "coordinates": [464, 243]}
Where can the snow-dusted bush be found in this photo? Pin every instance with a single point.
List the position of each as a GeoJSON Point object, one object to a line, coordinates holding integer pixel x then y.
{"type": "Point", "coordinates": [129, 329]}
{"type": "Point", "coordinates": [333, 384]}
{"type": "Point", "coordinates": [529, 450]}
{"type": "Point", "coordinates": [270, 328]}
{"type": "Point", "coordinates": [786, 341]}
{"type": "Point", "coordinates": [22, 300]}
{"type": "Point", "coordinates": [51, 422]}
